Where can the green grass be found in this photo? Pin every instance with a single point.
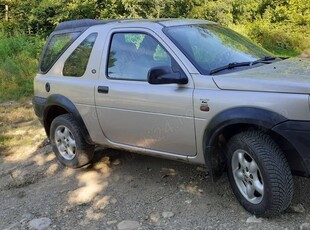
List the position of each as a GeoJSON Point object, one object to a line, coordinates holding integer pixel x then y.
{"type": "Point", "coordinates": [283, 52]}
{"type": "Point", "coordinates": [19, 57]}
{"type": "Point", "coordinates": [4, 138]}
{"type": "Point", "coordinates": [3, 141]}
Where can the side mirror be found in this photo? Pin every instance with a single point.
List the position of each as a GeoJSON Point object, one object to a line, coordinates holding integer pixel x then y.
{"type": "Point", "coordinates": [165, 75]}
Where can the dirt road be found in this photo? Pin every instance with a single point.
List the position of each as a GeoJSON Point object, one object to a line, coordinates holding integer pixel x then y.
{"type": "Point", "coordinates": [118, 190]}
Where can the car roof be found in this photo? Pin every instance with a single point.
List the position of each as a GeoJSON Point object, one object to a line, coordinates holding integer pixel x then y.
{"type": "Point", "coordinates": [86, 23]}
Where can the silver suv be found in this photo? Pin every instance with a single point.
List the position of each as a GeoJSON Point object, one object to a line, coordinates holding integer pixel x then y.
{"type": "Point", "coordinates": [187, 90]}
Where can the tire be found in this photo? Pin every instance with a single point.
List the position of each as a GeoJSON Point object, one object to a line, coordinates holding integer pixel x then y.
{"type": "Point", "coordinates": [259, 174]}
{"type": "Point", "coordinates": [68, 142]}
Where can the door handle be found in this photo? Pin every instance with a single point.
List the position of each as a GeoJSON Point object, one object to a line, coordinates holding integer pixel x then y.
{"type": "Point", "coordinates": [103, 89]}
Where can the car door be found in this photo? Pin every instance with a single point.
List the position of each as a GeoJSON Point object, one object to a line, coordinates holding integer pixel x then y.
{"type": "Point", "coordinates": [135, 113]}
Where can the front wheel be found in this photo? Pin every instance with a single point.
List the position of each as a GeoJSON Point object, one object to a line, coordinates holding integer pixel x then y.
{"type": "Point", "coordinates": [259, 174]}
{"type": "Point", "coordinates": [68, 143]}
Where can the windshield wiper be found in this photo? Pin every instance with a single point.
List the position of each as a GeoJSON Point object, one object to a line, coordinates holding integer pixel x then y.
{"type": "Point", "coordinates": [268, 59]}
{"type": "Point", "coordinates": [230, 66]}
{"type": "Point", "coordinates": [265, 60]}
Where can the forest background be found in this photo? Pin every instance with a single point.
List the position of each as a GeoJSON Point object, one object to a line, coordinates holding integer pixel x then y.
{"type": "Point", "coordinates": [280, 26]}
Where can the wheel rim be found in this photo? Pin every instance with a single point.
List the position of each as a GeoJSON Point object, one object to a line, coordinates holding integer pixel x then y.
{"type": "Point", "coordinates": [65, 142]}
{"type": "Point", "coordinates": [247, 176]}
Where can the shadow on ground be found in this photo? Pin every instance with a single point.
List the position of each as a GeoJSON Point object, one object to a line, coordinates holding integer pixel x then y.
{"type": "Point", "coordinates": [119, 186]}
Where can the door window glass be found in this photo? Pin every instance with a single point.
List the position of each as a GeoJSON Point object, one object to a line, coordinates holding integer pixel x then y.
{"type": "Point", "coordinates": [132, 55]}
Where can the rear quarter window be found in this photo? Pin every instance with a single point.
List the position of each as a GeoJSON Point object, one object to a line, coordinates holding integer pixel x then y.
{"type": "Point", "coordinates": [76, 64]}
{"type": "Point", "coordinates": [55, 47]}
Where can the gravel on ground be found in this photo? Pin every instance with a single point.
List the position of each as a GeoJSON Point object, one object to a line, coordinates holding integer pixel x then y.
{"type": "Point", "coordinates": [118, 190]}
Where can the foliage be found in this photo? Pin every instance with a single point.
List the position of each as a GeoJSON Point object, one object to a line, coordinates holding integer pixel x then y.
{"type": "Point", "coordinates": [263, 20]}
{"type": "Point", "coordinates": [18, 64]}
{"type": "Point", "coordinates": [282, 26]}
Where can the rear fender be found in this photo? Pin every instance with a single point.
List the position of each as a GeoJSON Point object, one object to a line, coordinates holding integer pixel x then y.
{"type": "Point", "coordinates": [68, 107]}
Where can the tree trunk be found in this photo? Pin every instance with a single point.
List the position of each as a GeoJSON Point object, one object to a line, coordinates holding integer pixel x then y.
{"type": "Point", "coordinates": [6, 12]}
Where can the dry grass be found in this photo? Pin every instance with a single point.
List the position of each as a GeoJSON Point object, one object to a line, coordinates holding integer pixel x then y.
{"type": "Point", "coordinates": [306, 54]}
{"type": "Point", "coordinates": [20, 130]}
{"type": "Point", "coordinates": [12, 112]}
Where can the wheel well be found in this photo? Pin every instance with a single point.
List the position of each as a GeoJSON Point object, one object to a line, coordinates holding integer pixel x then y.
{"type": "Point", "coordinates": [220, 141]}
{"type": "Point", "coordinates": [232, 130]}
{"type": "Point", "coordinates": [218, 147]}
{"type": "Point", "coordinates": [52, 112]}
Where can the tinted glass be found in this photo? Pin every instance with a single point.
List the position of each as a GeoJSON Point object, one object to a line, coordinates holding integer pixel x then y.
{"type": "Point", "coordinates": [76, 63]}
{"type": "Point", "coordinates": [213, 46]}
{"type": "Point", "coordinates": [56, 46]}
{"type": "Point", "coordinates": [132, 55]}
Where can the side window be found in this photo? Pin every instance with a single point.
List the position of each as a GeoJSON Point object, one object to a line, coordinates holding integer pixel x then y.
{"type": "Point", "coordinates": [56, 46]}
{"type": "Point", "coordinates": [132, 55]}
{"type": "Point", "coordinates": [76, 64]}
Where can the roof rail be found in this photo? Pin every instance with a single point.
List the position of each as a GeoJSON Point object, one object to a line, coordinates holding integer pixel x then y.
{"type": "Point", "coordinates": [81, 23]}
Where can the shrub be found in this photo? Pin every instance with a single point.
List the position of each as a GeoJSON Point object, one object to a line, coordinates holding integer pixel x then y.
{"type": "Point", "coordinates": [279, 36]}
{"type": "Point", "coordinates": [19, 55]}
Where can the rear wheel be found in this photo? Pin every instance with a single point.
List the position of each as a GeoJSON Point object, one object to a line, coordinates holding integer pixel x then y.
{"type": "Point", "coordinates": [68, 143]}
{"type": "Point", "coordinates": [259, 173]}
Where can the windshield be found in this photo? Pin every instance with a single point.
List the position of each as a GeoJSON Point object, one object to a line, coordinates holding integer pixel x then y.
{"type": "Point", "coordinates": [211, 46]}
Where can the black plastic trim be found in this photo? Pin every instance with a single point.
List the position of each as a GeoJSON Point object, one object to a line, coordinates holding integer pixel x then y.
{"type": "Point", "coordinates": [103, 89]}
{"type": "Point", "coordinates": [237, 116]}
{"type": "Point", "coordinates": [242, 115]}
{"type": "Point", "coordinates": [38, 104]}
{"type": "Point", "coordinates": [80, 23]}
{"type": "Point", "coordinates": [298, 134]}
{"type": "Point", "coordinates": [42, 108]}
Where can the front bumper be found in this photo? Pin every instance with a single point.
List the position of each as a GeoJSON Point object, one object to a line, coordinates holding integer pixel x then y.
{"type": "Point", "coordinates": [297, 133]}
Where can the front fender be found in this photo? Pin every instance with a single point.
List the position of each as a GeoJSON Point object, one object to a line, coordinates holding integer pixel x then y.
{"type": "Point", "coordinates": [243, 116]}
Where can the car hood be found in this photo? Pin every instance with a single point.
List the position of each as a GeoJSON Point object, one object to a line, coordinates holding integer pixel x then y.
{"type": "Point", "coordinates": [287, 76]}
